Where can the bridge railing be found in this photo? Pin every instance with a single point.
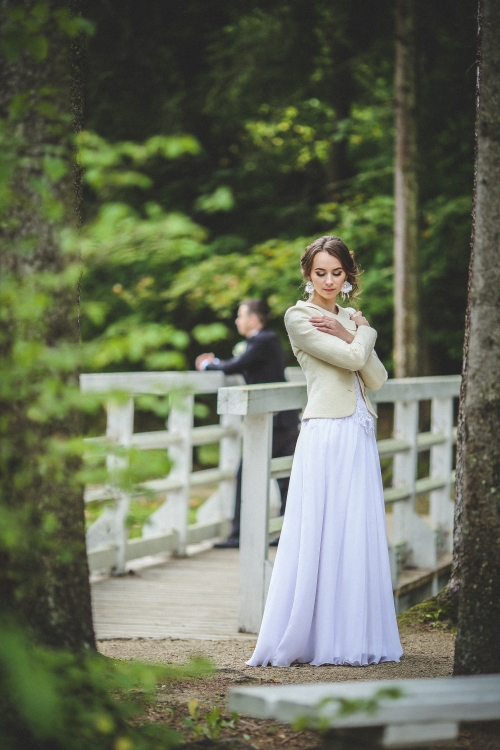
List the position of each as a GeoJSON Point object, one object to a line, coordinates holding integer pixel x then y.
{"type": "Point", "coordinates": [415, 541]}
{"type": "Point", "coordinates": [167, 529]}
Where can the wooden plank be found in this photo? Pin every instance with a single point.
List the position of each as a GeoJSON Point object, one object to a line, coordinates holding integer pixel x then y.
{"type": "Point", "coordinates": [417, 389]}
{"type": "Point", "coordinates": [152, 382]}
{"type": "Point", "coordinates": [262, 398]}
{"type": "Point", "coordinates": [210, 476]}
{"type": "Point", "coordinates": [199, 532]}
{"type": "Point", "coordinates": [193, 597]}
{"type": "Point", "coordinates": [275, 525]}
{"type": "Point", "coordinates": [153, 545]}
{"type": "Point", "coordinates": [212, 434]}
{"type": "Point", "coordinates": [426, 440]}
{"type": "Point", "coordinates": [281, 466]}
{"type": "Point", "coordinates": [474, 698]}
{"type": "Point", "coordinates": [391, 446]}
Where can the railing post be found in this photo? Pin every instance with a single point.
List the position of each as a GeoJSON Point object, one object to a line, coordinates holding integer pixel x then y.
{"type": "Point", "coordinates": [441, 463]}
{"type": "Point", "coordinates": [408, 527]}
{"type": "Point", "coordinates": [180, 422]}
{"type": "Point", "coordinates": [229, 459]}
{"type": "Point", "coordinates": [119, 430]}
{"type": "Point", "coordinates": [174, 512]}
{"type": "Point", "coordinates": [254, 565]}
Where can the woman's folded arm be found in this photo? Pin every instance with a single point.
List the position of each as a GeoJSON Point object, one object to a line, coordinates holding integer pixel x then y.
{"type": "Point", "coordinates": [373, 373]}
{"type": "Point", "coordinates": [331, 349]}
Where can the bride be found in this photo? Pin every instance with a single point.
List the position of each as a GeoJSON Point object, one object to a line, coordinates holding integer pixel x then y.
{"type": "Point", "coordinates": [330, 599]}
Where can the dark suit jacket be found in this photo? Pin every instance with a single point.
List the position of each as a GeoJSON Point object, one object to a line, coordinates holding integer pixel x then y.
{"type": "Point", "coordinates": [264, 362]}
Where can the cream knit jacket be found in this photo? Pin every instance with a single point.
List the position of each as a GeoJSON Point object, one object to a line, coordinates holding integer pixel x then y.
{"type": "Point", "coordinates": [330, 364]}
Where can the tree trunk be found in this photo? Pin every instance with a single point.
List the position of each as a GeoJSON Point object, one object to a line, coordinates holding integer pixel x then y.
{"type": "Point", "coordinates": [478, 646]}
{"type": "Point", "coordinates": [406, 198]}
{"type": "Point", "coordinates": [47, 586]}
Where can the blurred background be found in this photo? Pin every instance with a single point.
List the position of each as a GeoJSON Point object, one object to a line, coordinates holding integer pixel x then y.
{"type": "Point", "coordinates": [279, 125]}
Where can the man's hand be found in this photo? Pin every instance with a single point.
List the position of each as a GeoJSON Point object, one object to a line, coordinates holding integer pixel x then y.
{"type": "Point", "coordinates": [203, 358]}
{"type": "Point", "coordinates": [325, 324]}
{"type": "Point", "coordinates": [359, 319]}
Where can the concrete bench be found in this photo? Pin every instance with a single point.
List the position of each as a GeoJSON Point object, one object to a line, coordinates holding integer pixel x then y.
{"type": "Point", "coordinates": [361, 714]}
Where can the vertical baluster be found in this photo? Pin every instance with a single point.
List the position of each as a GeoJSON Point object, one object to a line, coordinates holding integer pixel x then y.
{"type": "Point", "coordinates": [441, 463]}
{"type": "Point", "coordinates": [229, 460]}
{"type": "Point", "coordinates": [409, 527]}
{"type": "Point", "coordinates": [180, 422]}
{"type": "Point", "coordinates": [254, 565]}
{"type": "Point", "coordinates": [119, 429]}
{"type": "Point", "coordinates": [405, 467]}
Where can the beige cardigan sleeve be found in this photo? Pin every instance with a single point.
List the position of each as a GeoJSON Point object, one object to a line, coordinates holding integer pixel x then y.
{"type": "Point", "coordinates": [331, 349]}
{"type": "Point", "coordinates": [373, 373]}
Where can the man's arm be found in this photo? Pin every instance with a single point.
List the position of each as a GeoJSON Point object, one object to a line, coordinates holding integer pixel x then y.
{"type": "Point", "coordinates": [254, 354]}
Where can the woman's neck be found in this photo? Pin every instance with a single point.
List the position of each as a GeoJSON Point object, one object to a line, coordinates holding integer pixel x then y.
{"type": "Point", "coordinates": [325, 304]}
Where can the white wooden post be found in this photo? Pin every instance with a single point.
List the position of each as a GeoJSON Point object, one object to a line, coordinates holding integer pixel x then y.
{"type": "Point", "coordinates": [441, 509]}
{"type": "Point", "coordinates": [174, 513]}
{"type": "Point", "coordinates": [229, 460]}
{"type": "Point", "coordinates": [408, 526]}
{"type": "Point", "coordinates": [180, 421]}
{"type": "Point", "coordinates": [119, 429]}
{"type": "Point", "coordinates": [255, 568]}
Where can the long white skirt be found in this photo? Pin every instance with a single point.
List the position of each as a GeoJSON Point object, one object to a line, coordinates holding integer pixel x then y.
{"type": "Point", "coordinates": [330, 599]}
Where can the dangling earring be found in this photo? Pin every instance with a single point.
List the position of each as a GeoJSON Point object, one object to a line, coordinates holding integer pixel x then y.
{"type": "Point", "coordinates": [309, 287]}
{"type": "Point", "coordinates": [345, 289]}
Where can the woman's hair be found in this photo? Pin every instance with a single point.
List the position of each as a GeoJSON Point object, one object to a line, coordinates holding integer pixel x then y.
{"type": "Point", "coordinates": [338, 249]}
{"type": "Point", "coordinates": [259, 307]}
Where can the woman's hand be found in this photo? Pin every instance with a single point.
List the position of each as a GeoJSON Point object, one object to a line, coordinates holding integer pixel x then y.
{"type": "Point", "coordinates": [359, 319]}
{"type": "Point", "coordinates": [325, 324]}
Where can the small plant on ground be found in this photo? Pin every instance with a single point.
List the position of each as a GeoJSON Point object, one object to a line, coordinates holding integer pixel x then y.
{"type": "Point", "coordinates": [434, 613]}
{"type": "Point", "coordinates": [211, 724]}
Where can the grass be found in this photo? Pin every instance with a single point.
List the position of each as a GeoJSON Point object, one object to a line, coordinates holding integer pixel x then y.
{"type": "Point", "coordinates": [435, 613]}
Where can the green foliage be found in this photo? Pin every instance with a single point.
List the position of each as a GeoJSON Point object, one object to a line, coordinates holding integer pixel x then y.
{"type": "Point", "coordinates": [435, 613]}
{"type": "Point", "coordinates": [57, 700]}
{"type": "Point", "coordinates": [330, 710]}
{"type": "Point", "coordinates": [210, 725]}
{"type": "Point", "coordinates": [26, 29]}
{"type": "Point", "coordinates": [293, 110]}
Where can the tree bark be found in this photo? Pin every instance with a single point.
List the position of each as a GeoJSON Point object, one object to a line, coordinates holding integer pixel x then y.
{"type": "Point", "coordinates": [47, 585]}
{"type": "Point", "coordinates": [478, 646]}
{"type": "Point", "coordinates": [406, 326]}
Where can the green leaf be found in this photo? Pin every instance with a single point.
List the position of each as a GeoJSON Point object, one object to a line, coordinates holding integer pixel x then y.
{"type": "Point", "coordinates": [38, 47]}
{"type": "Point", "coordinates": [221, 199]}
{"type": "Point", "coordinates": [54, 167]}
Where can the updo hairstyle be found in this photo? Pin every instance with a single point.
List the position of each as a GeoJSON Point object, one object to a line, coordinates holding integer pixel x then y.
{"type": "Point", "coordinates": [338, 249]}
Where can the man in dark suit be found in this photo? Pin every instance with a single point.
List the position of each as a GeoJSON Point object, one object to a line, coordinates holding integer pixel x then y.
{"type": "Point", "coordinates": [262, 361]}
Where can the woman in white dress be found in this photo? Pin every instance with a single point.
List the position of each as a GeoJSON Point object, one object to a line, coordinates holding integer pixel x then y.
{"type": "Point", "coordinates": [330, 599]}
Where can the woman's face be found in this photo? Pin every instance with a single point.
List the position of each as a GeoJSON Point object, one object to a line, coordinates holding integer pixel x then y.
{"type": "Point", "coordinates": [327, 276]}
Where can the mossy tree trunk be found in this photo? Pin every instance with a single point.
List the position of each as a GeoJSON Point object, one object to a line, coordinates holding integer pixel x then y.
{"type": "Point", "coordinates": [478, 645]}
{"type": "Point", "coordinates": [406, 328]}
{"type": "Point", "coordinates": [45, 578]}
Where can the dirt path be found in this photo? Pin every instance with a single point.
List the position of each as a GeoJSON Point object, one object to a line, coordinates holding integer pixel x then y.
{"type": "Point", "coordinates": [428, 653]}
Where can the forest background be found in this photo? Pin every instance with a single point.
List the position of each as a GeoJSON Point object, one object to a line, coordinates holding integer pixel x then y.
{"type": "Point", "coordinates": [286, 111]}
{"type": "Point", "coordinates": [218, 139]}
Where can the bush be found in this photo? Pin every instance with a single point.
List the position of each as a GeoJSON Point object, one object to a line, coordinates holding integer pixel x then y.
{"type": "Point", "coordinates": [56, 700]}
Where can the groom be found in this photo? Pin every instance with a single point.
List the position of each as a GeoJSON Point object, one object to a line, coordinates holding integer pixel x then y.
{"type": "Point", "coordinates": [262, 361]}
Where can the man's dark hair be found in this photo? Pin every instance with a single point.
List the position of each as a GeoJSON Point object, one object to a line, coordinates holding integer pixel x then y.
{"type": "Point", "coordinates": [259, 307]}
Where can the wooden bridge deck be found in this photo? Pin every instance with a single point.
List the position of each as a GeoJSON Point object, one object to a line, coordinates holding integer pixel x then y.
{"type": "Point", "coordinates": [192, 597]}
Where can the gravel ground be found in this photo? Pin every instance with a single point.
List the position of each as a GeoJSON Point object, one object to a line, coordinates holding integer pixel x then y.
{"type": "Point", "coordinates": [427, 653]}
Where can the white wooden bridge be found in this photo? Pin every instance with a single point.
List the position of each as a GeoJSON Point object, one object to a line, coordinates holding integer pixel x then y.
{"type": "Point", "coordinates": [218, 593]}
